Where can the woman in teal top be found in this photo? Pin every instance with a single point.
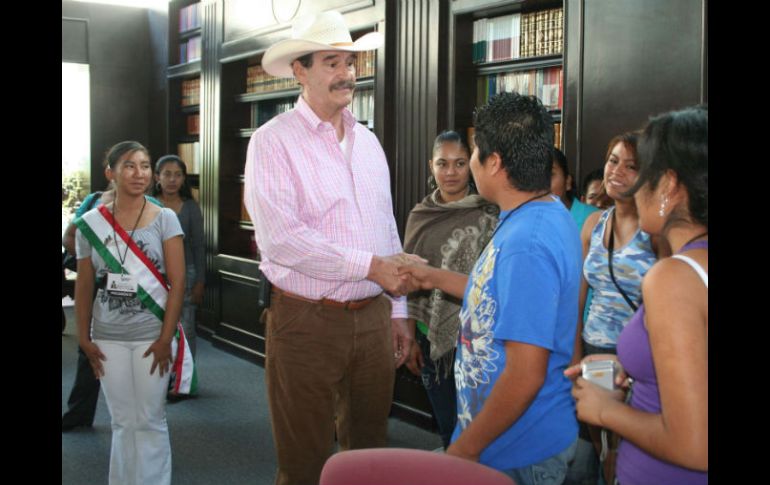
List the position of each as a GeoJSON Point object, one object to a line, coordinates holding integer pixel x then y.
{"type": "Point", "coordinates": [562, 187]}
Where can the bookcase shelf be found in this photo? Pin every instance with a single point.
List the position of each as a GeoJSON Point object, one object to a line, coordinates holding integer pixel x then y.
{"type": "Point", "coordinates": [184, 87]}
{"type": "Point", "coordinates": [519, 64]}
{"type": "Point", "coordinates": [256, 97]}
{"type": "Point", "coordinates": [189, 34]}
{"type": "Point", "coordinates": [530, 31]}
{"type": "Point", "coordinates": [184, 70]}
{"type": "Point", "coordinates": [188, 138]}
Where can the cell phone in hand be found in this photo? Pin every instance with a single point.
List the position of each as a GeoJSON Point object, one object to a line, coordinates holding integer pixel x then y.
{"type": "Point", "coordinates": [600, 372]}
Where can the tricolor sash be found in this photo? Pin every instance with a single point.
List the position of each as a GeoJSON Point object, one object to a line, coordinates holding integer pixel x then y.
{"type": "Point", "coordinates": [152, 290]}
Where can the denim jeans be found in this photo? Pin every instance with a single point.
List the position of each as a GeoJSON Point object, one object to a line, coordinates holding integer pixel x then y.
{"type": "Point", "coordinates": [441, 391]}
{"type": "Point", "coordinates": [550, 471]}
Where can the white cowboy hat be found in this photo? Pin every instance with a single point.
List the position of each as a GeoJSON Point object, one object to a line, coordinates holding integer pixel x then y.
{"type": "Point", "coordinates": [326, 31]}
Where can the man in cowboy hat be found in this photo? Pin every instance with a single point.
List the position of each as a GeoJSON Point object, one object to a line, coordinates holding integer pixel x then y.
{"type": "Point", "coordinates": [317, 187]}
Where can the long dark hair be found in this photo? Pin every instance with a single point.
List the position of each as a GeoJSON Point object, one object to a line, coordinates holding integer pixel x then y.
{"type": "Point", "coordinates": [678, 141]}
{"type": "Point", "coordinates": [184, 190]}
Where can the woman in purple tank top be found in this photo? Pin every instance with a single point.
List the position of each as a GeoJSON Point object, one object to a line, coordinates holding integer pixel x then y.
{"type": "Point", "coordinates": [664, 348]}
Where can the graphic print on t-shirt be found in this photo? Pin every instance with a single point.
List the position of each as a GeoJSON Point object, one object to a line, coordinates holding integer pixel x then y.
{"type": "Point", "coordinates": [124, 304]}
{"type": "Point", "coordinates": [477, 359]}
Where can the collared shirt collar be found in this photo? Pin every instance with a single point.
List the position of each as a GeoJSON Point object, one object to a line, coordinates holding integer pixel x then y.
{"type": "Point", "coordinates": [304, 109]}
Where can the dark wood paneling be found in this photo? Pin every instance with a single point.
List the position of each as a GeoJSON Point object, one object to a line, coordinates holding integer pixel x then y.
{"type": "Point", "coordinates": [411, 125]}
{"type": "Point", "coordinates": [634, 60]}
{"type": "Point", "coordinates": [238, 281]}
{"type": "Point", "coordinates": [74, 40]}
{"type": "Point", "coordinates": [211, 74]}
{"type": "Point", "coordinates": [410, 401]}
{"type": "Point", "coordinates": [157, 22]}
{"type": "Point", "coordinates": [240, 311]}
{"type": "Point", "coordinates": [414, 56]}
{"type": "Point", "coordinates": [572, 133]}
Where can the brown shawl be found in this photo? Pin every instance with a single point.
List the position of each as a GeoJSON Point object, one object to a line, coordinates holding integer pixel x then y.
{"type": "Point", "coordinates": [450, 236]}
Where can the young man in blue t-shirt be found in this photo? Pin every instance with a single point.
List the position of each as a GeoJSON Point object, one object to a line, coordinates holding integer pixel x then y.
{"type": "Point", "coordinates": [519, 314]}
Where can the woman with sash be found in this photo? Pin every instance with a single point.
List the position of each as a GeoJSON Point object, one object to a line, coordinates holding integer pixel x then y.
{"type": "Point", "coordinates": [664, 348]}
{"type": "Point", "coordinates": [81, 405]}
{"type": "Point", "coordinates": [449, 228]}
{"type": "Point", "coordinates": [133, 253]}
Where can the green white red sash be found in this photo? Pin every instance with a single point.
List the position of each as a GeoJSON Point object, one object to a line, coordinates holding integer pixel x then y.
{"type": "Point", "coordinates": [152, 290]}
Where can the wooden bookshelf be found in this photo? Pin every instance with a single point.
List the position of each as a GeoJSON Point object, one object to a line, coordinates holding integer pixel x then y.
{"type": "Point", "coordinates": [506, 46]}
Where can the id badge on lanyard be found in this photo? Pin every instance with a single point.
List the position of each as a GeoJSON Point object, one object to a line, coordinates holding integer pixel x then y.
{"type": "Point", "coordinates": [123, 285]}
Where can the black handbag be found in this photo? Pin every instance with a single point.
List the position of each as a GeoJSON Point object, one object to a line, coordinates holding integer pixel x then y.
{"type": "Point", "coordinates": [67, 260]}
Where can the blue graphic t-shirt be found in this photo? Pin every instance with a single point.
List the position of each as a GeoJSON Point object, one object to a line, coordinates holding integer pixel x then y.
{"type": "Point", "coordinates": [524, 288]}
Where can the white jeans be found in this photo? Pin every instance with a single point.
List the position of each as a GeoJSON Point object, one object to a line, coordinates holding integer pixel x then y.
{"type": "Point", "coordinates": [141, 451]}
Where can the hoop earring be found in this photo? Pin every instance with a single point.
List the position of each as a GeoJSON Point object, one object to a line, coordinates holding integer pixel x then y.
{"type": "Point", "coordinates": [432, 185]}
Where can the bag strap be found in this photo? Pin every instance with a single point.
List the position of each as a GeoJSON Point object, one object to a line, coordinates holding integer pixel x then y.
{"type": "Point", "coordinates": [97, 196]}
{"type": "Point", "coordinates": [610, 247]}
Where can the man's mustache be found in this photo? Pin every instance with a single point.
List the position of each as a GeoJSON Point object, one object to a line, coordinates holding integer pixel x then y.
{"type": "Point", "coordinates": [342, 85]}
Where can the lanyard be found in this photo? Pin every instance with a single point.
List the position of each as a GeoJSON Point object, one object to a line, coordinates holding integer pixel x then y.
{"type": "Point", "coordinates": [130, 235]}
{"type": "Point", "coordinates": [514, 210]}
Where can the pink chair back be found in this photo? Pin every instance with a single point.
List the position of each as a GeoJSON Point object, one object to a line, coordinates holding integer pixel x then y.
{"type": "Point", "coordinates": [399, 466]}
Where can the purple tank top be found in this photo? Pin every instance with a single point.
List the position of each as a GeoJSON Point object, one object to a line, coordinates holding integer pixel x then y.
{"type": "Point", "coordinates": [635, 466]}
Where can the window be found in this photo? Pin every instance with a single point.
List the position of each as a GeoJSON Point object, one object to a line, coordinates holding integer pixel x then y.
{"type": "Point", "coordinates": [75, 138]}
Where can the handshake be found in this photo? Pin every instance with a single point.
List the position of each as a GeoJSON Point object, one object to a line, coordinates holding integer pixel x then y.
{"type": "Point", "coordinates": [400, 274]}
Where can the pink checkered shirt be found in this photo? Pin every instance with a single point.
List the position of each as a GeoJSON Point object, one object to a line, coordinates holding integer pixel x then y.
{"type": "Point", "coordinates": [318, 215]}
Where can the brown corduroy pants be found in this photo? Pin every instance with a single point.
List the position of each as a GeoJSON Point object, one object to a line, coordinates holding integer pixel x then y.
{"type": "Point", "coordinates": [326, 366]}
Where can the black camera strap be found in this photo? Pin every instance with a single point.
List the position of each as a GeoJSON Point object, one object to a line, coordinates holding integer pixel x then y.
{"type": "Point", "coordinates": [610, 247]}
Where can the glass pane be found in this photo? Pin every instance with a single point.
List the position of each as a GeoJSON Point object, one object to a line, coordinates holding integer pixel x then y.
{"type": "Point", "coordinates": [75, 138]}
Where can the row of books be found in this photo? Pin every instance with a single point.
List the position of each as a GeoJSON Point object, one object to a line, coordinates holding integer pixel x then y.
{"type": "Point", "coordinates": [546, 84]}
{"type": "Point", "coordinates": [363, 105]}
{"type": "Point", "coordinates": [190, 153]}
{"type": "Point", "coordinates": [557, 135]}
{"type": "Point", "coordinates": [191, 50]}
{"type": "Point", "coordinates": [191, 92]}
{"type": "Point", "coordinates": [194, 124]}
{"type": "Point", "coordinates": [261, 113]}
{"type": "Point", "coordinates": [364, 64]}
{"type": "Point", "coordinates": [518, 36]}
{"type": "Point", "coordinates": [190, 17]}
{"type": "Point", "coordinates": [258, 81]}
